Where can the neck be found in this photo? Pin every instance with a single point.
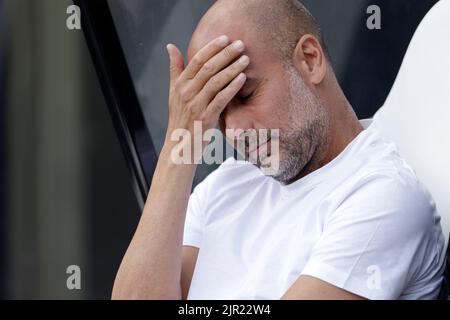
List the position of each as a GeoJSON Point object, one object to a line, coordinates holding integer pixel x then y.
{"type": "Point", "coordinates": [343, 128]}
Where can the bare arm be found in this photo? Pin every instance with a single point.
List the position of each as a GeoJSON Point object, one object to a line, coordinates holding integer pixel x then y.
{"type": "Point", "coordinates": [152, 266]}
{"type": "Point", "coordinates": [311, 288]}
{"type": "Point", "coordinates": [189, 260]}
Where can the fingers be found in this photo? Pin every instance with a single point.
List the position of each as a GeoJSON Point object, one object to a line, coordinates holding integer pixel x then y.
{"type": "Point", "coordinates": [176, 63]}
{"type": "Point", "coordinates": [222, 79]}
{"type": "Point", "coordinates": [224, 97]}
{"type": "Point", "coordinates": [217, 63]}
{"type": "Point", "coordinates": [204, 55]}
{"type": "Point", "coordinates": [209, 82]}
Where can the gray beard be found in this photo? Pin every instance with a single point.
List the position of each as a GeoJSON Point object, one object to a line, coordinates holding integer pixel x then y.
{"type": "Point", "coordinates": [305, 132]}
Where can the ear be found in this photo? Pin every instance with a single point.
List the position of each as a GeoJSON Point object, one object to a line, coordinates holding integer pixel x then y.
{"type": "Point", "coordinates": [309, 59]}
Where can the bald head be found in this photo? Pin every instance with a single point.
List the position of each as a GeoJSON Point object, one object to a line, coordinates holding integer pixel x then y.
{"type": "Point", "coordinates": [280, 23]}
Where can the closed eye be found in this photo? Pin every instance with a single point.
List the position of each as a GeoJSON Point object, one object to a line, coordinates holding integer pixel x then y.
{"type": "Point", "coordinates": [246, 97]}
{"type": "Point", "coordinates": [249, 90]}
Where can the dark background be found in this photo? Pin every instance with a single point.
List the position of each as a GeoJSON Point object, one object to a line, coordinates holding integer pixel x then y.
{"type": "Point", "coordinates": [65, 192]}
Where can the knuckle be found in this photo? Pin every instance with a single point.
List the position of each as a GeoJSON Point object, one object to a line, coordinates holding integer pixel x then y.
{"type": "Point", "coordinates": [177, 84]}
{"type": "Point", "coordinates": [184, 94]}
{"type": "Point", "coordinates": [203, 117]}
{"type": "Point", "coordinates": [214, 83]}
{"type": "Point", "coordinates": [231, 73]}
{"type": "Point", "coordinates": [196, 62]}
{"type": "Point", "coordinates": [227, 52]}
{"type": "Point", "coordinates": [208, 68]}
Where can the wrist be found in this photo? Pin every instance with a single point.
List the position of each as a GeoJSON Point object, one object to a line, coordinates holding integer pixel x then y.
{"type": "Point", "coordinates": [176, 155]}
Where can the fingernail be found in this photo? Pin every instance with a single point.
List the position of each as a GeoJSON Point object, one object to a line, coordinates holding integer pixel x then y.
{"type": "Point", "coordinates": [239, 45]}
{"type": "Point", "coordinates": [243, 60]}
{"type": "Point", "coordinates": [242, 77]}
{"type": "Point", "coordinates": [168, 47]}
{"type": "Point", "coordinates": [222, 40]}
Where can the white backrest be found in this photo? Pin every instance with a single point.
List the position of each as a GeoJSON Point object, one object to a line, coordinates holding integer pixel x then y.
{"type": "Point", "coordinates": [416, 114]}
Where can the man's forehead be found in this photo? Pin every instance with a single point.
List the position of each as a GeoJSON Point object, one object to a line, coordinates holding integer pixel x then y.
{"type": "Point", "coordinates": [223, 18]}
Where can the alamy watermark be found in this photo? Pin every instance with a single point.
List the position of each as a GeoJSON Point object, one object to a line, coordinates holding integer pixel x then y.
{"type": "Point", "coordinates": [73, 21]}
{"type": "Point", "coordinates": [259, 147]}
{"type": "Point", "coordinates": [73, 281]}
{"type": "Point", "coordinates": [374, 20]}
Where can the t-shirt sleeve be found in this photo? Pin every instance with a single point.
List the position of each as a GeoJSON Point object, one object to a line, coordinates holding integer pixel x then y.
{"type": "Point", "coordinates": [195, 217]}
{"type": "Point", "coordinates": [382, 242]}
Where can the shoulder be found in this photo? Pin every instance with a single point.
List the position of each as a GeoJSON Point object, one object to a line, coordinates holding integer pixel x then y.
{"type": "Point", "coordinates": [391, 197]}
{"type": "Point", "coordinates": [382, 179]}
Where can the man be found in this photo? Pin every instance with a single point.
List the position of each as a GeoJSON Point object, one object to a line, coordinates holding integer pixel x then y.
{"type": "Point", "coordinates": [344, 217]}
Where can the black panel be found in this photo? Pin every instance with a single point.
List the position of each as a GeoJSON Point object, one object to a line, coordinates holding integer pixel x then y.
{"type": "Point", "coordinates": [119, 92]}
{"type": "Point", "coordinates": [3, 146]}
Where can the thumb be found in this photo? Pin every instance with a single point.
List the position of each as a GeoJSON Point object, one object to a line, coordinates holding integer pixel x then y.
{"type": "Point", "coordinates": [176, 62]}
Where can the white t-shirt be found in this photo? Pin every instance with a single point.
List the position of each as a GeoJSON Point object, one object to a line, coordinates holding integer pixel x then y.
{"type": "Point", "coordinates": [363, 223]}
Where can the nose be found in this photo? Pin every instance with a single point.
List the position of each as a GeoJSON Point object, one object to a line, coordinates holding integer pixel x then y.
{"type": "Point", "coordinates": [236, 121]}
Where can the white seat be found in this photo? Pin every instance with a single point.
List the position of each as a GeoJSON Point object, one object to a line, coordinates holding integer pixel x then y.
{"type": "Point", "coordinates": [416, 114]}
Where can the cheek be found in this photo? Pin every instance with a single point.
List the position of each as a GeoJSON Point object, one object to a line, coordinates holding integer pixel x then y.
{"type": "Point", "coordinates": [277, 109]}
{"type": "Point", "coordinates": [271, 107]}
{"type": "Point", "coordinates": [266, 114]}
